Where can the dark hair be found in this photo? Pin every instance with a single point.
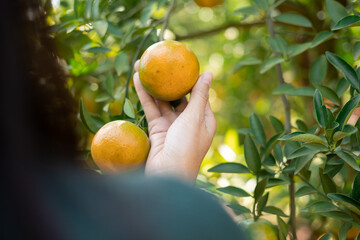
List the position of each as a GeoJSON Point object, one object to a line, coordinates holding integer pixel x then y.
{"type": "Point", "coordinates": [39, 112]}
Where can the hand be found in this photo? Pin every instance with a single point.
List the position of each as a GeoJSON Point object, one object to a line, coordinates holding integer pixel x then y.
{"type": "Point", "coordinates": [180, 137]}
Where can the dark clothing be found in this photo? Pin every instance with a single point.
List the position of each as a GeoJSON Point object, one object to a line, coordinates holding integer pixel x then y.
{"type": "Point", "coordinates": [81, 205]}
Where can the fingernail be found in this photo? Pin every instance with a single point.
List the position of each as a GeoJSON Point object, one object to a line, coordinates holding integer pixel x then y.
{"type": "Point", "coordinates": [206, 77]}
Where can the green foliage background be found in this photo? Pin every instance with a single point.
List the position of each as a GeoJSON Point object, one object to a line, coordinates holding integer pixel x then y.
{"type": "Point", "coordinates": [99, 41]}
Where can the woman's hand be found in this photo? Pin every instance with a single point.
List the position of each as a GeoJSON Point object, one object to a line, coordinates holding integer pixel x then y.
{"type": "Point", "coordinates": [181, 136]}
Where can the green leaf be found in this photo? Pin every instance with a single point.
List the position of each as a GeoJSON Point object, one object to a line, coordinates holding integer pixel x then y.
{"type": "Point", "coordinates": [300, 162]}
{"type": "Point", "coordinates": [304, 91]}
{"type": "Point", "coordinates": [356, 50]}
{"type": "Point", "coordinates": [297, 49]}
{"type": "Point", "coordinates": [316, 146]}
{"type": "Point", "coordinates": [304, 190]}
{"type": "Point", "coordinates": [290, 147]}
{"type": "Point", "coordinates": [320, 109]}
{"type": "Point", "coordinates": [121, 63]}
{"type": "Point", "coordinates": [283, 228]}
{"type": "Point", "coordinates": [348, 158]}
{"type": "Point", "coordinates": [318, 70]}
{"type": "Point", "coordinates": [262, 203]}
{"type": "Point", "coordinates": [321, 37]}
{"type": "Point", "coordinates": [302, 152]}
{"type": "Point", "coordinates": [301, 125]}
{"type": "Point", "coordinates": [329, 94]}
{"type": "Point", "coordinates": [95, 9]}
{"type": "Point", "coordinates": [322, 206]}
{"type": "Point", "coordinates": [129, 109]}
{"type": "Point", "coordinates": [327, 236]}
{"type": "Point", "coordinates": [303, 137]}
{"type": "Point", "coordinates": [238, 192]}
{"type": "Point", "coordinates": [246, 62]}
{"type": "Point", "coordinates": [278, 44]}
{"type": "Point", "coordinates": [344, 228]}
{"type": "Point", "coordinates": [244, 131]}
{"type": "Point", "coordinates": [146, 13]}
{"type": "Point", "coordinates": [257, 129]}
{"type": "Point", "coordinates": [270, 145]}
{"type": "Point", "coordinates": [355, 194]}
{"type": "Point", "coordinates": [346, 112]}
{"type": "Point", "coordinates": [101, 27]}
{"type": "Point", "coordinates": [283, 88]}
{"type": "Point", "coordinates": [278, 153]}
{"type": "Point", "coordinates": [102, 97]}
{"type": "Point", "coordinates": [250, 10]}
{"type": "Point", "coordinates": [335, 10]}
{"type": "Point", "coordinates": [229, 168]}
{"type": "Point", "coordinates": [274, 210]}
{"type": "Point", "coordinates": [341, 87]}
{"type": "Point", "coordinates": [346, 201]}
{"type": "Point", "coordinates": [277, 124]}
{"type": "Point", "coordinates": [259, 189]}
{"type": "Point", "coordinates": [114, 30]}
{"type": "Point", "coordinates": [90, 123]}
{"type": "Point", "coordinates": [97, 50]}
{"type": "Point", "coordinates": [270, 63]}
{"type": "Point", "coordinates": [332, 170]}
{"type": "Point", "coordinates": [88, 9]}
{"type": "Point", "coordinates": [272, 182]}
{"type": "Point", "coordinates": [346, 22]}
{"type": "Point", "coordinates": [327, 183]}
{"type": "Point", "coordinates": [293, 19]}
{"type": "Point", "coordinates": [347, 131]}
{"type": "Point", "coordinates": [109, 84]}
{"type": "Point", "coordinates": [238, 209]}
{"type": "Point", "coordinates": [252, 157]}
{"type": "Point", "coordinates": [336, 214]}
{"type": "Point", "coordinates": [261, 4]}
{"type": "Point", "coordinates": [348, 72]}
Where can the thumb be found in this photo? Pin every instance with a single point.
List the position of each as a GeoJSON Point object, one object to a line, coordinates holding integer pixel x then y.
{"type": "Point", "coordinates": [199, 95]}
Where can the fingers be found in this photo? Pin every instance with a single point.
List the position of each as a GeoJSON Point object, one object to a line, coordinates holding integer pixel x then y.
{"type": "Point", "coordinates": [200, 93]}
{"type": "Point", "coordinates": [150, 108]}
{"type": "Point", "coordinates": [136, 65]}
{"type": "Point", "coordinates": [210, 120]}
{"type": "Point", "coordinates": [181, 107]}
{"type": "Point", "coordinates": [165, 108]}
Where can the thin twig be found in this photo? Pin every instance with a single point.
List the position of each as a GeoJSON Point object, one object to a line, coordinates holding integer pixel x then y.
{"type": "Point", "coordinates": [218, 29]}
{"type": "Point", "coordinates": [141, 120]}
{"type": "Point", "coordinates": [166, 20]}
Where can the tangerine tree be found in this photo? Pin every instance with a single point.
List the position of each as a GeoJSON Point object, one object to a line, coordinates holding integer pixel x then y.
{"type": "Point", "coordinates": [289, 70]}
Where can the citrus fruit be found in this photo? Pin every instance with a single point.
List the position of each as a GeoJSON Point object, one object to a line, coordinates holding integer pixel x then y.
{"type": "Point", "coordinates": [168, 70]}
{"type": "Point", "coordinates": [208, 3]}
{"type": "Point", "coordinates": [260, 229]}
{"type": "Point", "coordinates": [119, 145]}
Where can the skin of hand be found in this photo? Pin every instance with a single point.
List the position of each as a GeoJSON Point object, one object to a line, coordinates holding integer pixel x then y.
{"type": "Point", "coordinates": [180, 137]}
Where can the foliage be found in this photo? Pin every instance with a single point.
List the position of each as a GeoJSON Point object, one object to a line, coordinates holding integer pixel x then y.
{"type": "Point", "coordinates": [285, 58]}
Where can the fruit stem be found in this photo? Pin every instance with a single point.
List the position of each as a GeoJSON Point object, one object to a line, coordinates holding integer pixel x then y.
{"type": "Point", "coordinates": [280, 77]}
{"type": "Point", "coordinates": [166, 20]}
{"type": "Point", "coordinates": [141, 120]}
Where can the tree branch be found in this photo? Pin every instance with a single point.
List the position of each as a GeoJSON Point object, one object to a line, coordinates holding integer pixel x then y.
{"type": "Point", "coordinates": [166, 20]}
{"type": "Point", "coordinates": [218, 29]}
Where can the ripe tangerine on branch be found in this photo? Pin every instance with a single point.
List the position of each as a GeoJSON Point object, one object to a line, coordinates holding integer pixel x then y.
{"type": "Point", "coordinates": [208, 3]}
{"type": "Point", "coordinates": [168, 70]}
{"type": "Point", "coordinates": [118, 146]}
